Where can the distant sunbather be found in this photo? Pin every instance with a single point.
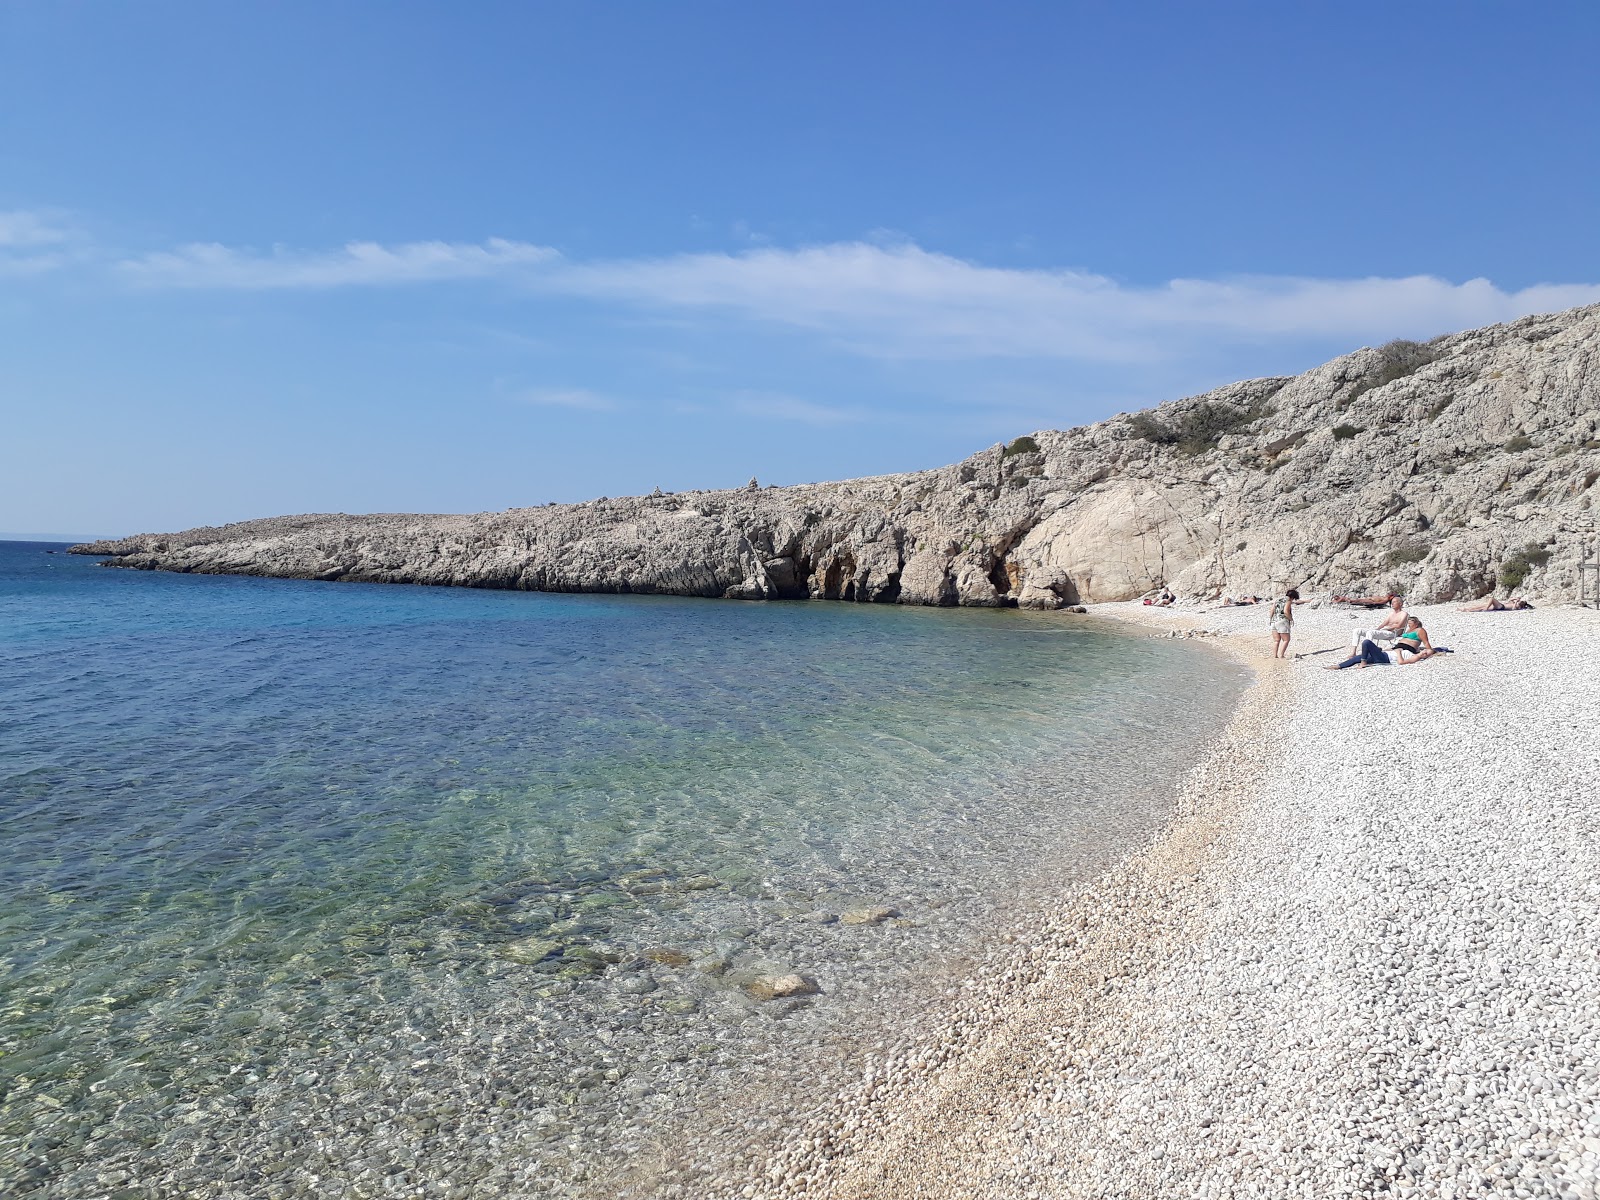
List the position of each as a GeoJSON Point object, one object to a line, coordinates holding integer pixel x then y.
{"type": "Point", "coordinates": [1366, 601]}
{"type": "Point", "coordinates": [1490, 604]}
{"type": "Point", "coordinates": [1231, 602]}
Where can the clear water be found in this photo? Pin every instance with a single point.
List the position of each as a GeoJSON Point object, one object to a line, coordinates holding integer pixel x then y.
{"type": "Point", "coordinates": [271, 854]}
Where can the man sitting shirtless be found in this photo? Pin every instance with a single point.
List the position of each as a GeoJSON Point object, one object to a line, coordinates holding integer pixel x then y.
{"type": "Point", "coordinates": [1386, 630]}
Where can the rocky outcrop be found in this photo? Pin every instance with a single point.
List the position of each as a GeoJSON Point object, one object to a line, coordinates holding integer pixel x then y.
{"type": "Point", "coordinates": [1440, 469]}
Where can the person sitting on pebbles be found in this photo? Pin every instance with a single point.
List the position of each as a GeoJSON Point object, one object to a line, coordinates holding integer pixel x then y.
{"type": "Point", "coordinates": [1386, 630]}
{"type": "Point", "coordinates": [1411, 646]}
{"type": "Point", "coordinates": [1490, 604]}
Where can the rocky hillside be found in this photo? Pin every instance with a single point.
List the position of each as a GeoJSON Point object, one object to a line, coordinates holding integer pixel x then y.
{"type": "Point", "coordinates": [1442, 469]}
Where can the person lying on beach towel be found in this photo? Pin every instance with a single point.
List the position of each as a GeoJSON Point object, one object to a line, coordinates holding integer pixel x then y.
{"type": "Point", "coordinates": [1490, 604]}
{"type": "Point", "coordinates": [1161, 599]}
{"type": "Point", "coordinates": [1230, 602]}
{"type": "Point", "coordinates": [1366, 601]}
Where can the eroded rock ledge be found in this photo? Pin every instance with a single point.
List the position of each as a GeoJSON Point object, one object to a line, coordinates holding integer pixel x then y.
{"type": "Point", "coordinates": [1442, 469]}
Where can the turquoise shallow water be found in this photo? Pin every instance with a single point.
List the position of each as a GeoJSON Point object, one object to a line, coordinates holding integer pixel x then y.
{"type": "Point", "coordinates": [250, 826]}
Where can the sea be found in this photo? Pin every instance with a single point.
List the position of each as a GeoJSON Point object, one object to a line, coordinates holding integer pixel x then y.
{"type": "Point", "coordinates": [359, 889]}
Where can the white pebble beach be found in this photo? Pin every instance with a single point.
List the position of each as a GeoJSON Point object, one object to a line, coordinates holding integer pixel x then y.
{"type": "Point", "coordinates": [1363, 961]}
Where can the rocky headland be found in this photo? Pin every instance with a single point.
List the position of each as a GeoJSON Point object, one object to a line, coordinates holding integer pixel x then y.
{"type": "Point", "coordinates": [1442, 469]}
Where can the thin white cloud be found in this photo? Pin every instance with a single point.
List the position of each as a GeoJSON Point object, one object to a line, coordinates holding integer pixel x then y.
{"type": "Point", "coordinates": [211, 265]}
{"type": "Point", "coordinates": [578, 398]}
{"type": "Point", "coordinates": [32, 243]}
{"type": "Point", "coordinates": [20, 228]}
{"type": "Point", "coordinates": [896, 300]}
{"type": "Point", "coordinates": [779, 407]}
{"type": "Point", "coordinates": [903, 301]}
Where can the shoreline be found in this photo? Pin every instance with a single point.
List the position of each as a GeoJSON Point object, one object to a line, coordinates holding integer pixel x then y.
{"type": "Point", "coordinates": [693, 1156]}
{"type": "Point", "coordinates": [1313, 983]}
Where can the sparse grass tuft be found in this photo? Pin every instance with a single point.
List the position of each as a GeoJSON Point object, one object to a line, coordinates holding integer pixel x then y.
{"type": "Point", "coordinates": [1343, 433]}
{"type": "Point", "coordinates": [1400, 358]}
{"type": "Point", "coordinates": [1410, 552]}
{"type": "Point", "coordinates": [1197, 429]}
{"type": "Point", "coordinates": [1517, 566]}
{"type": "Point", "coordinates": [1519, 443]}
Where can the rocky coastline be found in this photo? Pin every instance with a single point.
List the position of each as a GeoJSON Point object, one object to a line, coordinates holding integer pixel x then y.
{"type": "Point", "coordinates": [1443, 470]}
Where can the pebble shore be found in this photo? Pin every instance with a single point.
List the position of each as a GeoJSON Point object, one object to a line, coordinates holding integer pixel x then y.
{"type": "Point", "coordinates": [1364, 961]}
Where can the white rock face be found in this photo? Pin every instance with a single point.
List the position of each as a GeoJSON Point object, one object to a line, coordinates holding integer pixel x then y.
{"type": "Point", "coordinates": [1426, 468]}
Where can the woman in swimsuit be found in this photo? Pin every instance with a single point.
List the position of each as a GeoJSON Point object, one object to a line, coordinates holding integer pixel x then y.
{"type": "Point", "coordinates": [1490, 604]}
{"type": "Point", "coordinates": [1412, 645]}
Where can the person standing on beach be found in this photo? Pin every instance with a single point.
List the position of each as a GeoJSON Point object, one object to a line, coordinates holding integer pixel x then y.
{"type": "Point", "coordinates": [1281, 622]}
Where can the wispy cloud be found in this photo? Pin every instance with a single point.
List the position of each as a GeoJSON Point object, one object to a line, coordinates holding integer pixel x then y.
{"type": "Point", "coordinates": [779, 407]}
{"type": "Point", "coordinates": [881, 298]}
{"type": "Point", "coordinates": [25, 228]}
{"type": "Point", "coordinates": [32, 242]}
{"type": "Point", "coordinates": [904, 301]}
{"type": "Point", "coordinates": [578, 398]}
{"type": "Point", "coordinates": [212, 265]}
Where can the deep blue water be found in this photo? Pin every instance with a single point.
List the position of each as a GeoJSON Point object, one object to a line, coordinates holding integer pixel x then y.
{"type": "Point", "coordinates": [223, 800]}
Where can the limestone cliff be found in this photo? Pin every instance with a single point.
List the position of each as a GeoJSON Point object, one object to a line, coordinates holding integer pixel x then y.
{"type": "Point", "coordinates": [1436, 468]}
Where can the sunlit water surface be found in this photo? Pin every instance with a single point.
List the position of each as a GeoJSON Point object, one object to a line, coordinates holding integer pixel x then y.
{"type": "Point", "coordinates": [374, 889]}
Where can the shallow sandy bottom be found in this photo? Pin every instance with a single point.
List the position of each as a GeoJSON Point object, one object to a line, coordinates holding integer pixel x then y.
{"type": "Point", "coordinates": [1364, 961]}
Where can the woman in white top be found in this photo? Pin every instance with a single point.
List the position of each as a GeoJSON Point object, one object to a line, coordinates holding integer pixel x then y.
{"type": "Point", "coordinates": [1281, 622]}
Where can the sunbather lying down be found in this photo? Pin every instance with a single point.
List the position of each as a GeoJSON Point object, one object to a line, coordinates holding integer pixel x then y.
{"type": "Point", "coordinates": [1366, 601]}
{"type": "Point", "coordinates": [1490, 604]}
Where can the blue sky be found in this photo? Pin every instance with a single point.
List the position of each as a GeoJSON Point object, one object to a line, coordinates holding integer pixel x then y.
{"type": "Point", "coordinates": [421, 257]}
